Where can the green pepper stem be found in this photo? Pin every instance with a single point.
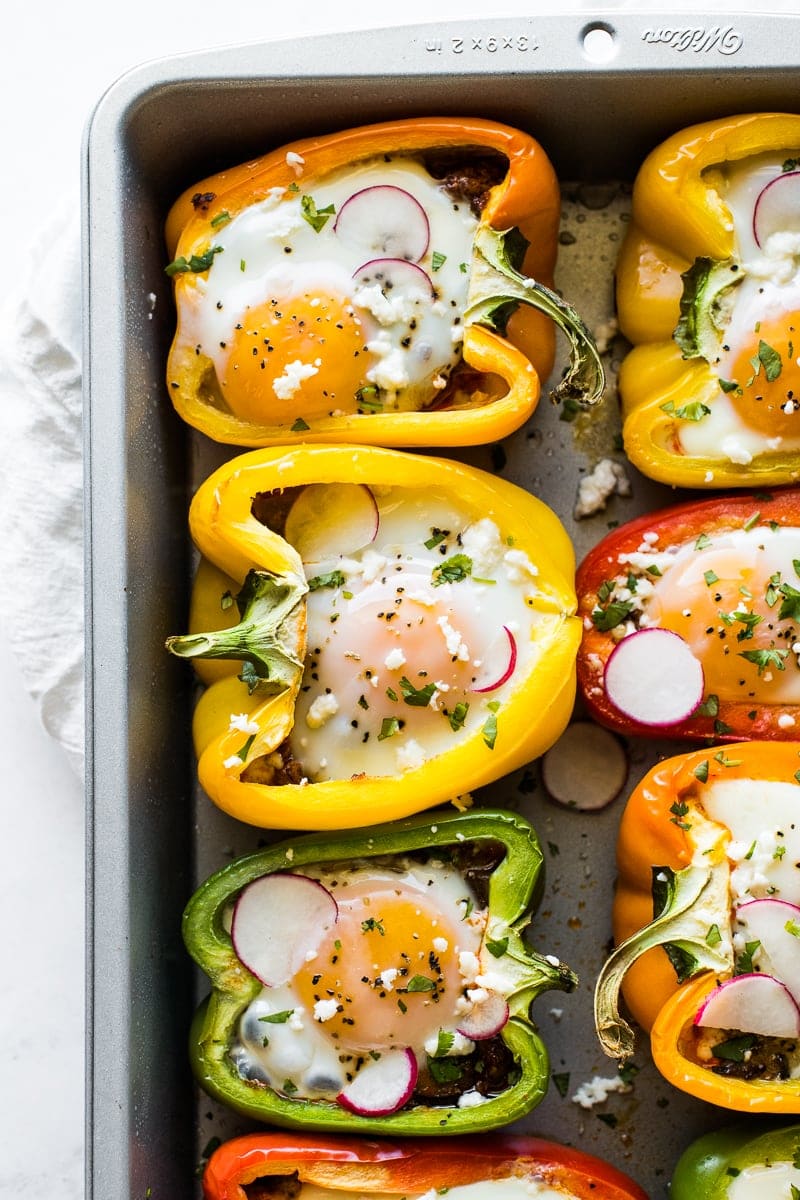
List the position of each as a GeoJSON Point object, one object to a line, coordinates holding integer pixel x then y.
{"type": "Point", "coordinates": [495, 284]}
{"type": "Point", "coordinates": [270, 606]}
{"type": "Point", "coordinates": [697, 901]}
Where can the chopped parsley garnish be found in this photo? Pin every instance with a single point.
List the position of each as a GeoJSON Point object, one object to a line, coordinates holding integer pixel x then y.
{"type": "Point", "coordinates": [679, 809]}
{"type": "Point", "coordinates": [709, 707]}
{"type": "Point", "coordinates": [444, 1043]}
{"type": "Point", "coordinates": [333, 579]}
{"type": "Point", "coordinates": [437, 536]}
{"type": "Point", "coordinates": [417, 697]}
{"type": "Point", "coordinates": [373, 925]}
{"type": "Point", "coordinates": [368, 399]}
{"type": "Point", "coordinates": [744, 963]}
{"type": "Point", "coordinates": [389, 727]}
{"type": "Point", "coordinates": [724, 761]}
{"type": "Point", "coordinates": [300, 426]}
{"type": "Point", "coordinates": [766, 658]}
{"type": "Point", "coordinates": [710, 577]}
{"type": "Point", "coordinates": [687, 412]}
{"type": "Point", "coordinates": [195, 263]}
{"type": "Point", "coordinates": [490, 730]}
{"type": "Point", "coordinates": [701, 771]}
{"type": "Point", "coordinates": [316, 217]}
{"type": "Point", "coordinates": [792, 927]}
{"type": "Point", "coordinates": [420, 983]}
{"type": "Point", "coordinates": [713, 937]}
{"type": "Point", "coordinates": [770, 360]}
{"type": "Point", "coordinates": [458, 716]}
{"type": "Point", "coordinates": [221, 218]}
{"type": "Point", "coordinates": [452, 570]}
{"type": "Point", "coordinates": [703, 541]}
{"type": "Point", "coordinates": [437, 260]}
{"type": "Point", "coordinates": [729, 385]}
{"type": "Point", "coordinates": [790, 603]}
{"type": "Point", "coordinates": [612, 615]}
{"type": "Point", "coordinates": [277, 1018]}
{"type": "Point", "coordinates": [751, 522]}
{"type": "Point", "coordinates": [444, 1070]}
{"type": "Point", "coordinates": [244, 750]}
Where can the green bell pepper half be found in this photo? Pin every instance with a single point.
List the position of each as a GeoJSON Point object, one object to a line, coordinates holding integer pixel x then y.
{"type": "Point", "coordinates": [515, 887]}
{"type": "Point", "coordinates": [710, 1166]}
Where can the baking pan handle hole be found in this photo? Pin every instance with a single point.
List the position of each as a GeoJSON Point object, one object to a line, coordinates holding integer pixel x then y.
{"type": "Point", "coordinates": [599, 42]}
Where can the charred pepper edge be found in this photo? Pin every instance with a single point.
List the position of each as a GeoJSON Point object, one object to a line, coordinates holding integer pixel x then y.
{"type": "Point", "coordinates": [514, 890]}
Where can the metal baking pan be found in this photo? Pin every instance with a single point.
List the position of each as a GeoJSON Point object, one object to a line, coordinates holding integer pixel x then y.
{"type": "Point", "coordinates": [597, 103]}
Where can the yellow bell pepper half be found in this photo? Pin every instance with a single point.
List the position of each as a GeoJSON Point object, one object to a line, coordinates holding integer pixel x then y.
{"type": "Point", "coordinates": [710, 391]}
{"type": "Point", "coordinates": [252, 594]}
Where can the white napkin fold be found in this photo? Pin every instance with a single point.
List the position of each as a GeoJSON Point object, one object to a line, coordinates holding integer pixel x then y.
{"type": "Point", "coordinates": [41, 482]}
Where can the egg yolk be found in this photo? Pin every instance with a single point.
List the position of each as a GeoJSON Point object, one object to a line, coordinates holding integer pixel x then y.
{"type": "Point", "coordinates": [767, 375]}
{"type": "Point", "coordinates": [717, 603]}
{"type": "Point", "coordinates": [295, 358]}
{"type": "Point", "coordinates": [390, 963]}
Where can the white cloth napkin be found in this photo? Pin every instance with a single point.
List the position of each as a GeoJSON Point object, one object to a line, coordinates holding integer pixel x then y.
{"type": "Point", "coordinates": [41, 483]}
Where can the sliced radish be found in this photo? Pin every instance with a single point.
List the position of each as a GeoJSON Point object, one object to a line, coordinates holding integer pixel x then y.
{"type": "Point", "coordinates": [757, 1004]}
{"type": "Point", "coordinates": [485, 1019]}
{"type": "Point", "coordinates": [497, 673]}
{"type": "Point", "coordinates": [278, 922]}
{"type": "Point", "coordinates": [653, 677]}
{"type": "Point", "coordinates": [777, 207]}
{"type": "Point", "coordinates": [771, 922]}
{"type": "Point", "coordinates": [394, 277]}
{"type": "Point", "coordinates": [332, 519]}
{"type": "Point", "coordinates": [384, 221]}
{"type": "Point", "coordinates": [382, 1086]}
{"type": "Point", "coordinates": [586, 768]}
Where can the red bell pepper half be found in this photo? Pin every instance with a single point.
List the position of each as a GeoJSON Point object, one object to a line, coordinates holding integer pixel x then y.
{"type": "Point", "coordinates": [409, 1167]}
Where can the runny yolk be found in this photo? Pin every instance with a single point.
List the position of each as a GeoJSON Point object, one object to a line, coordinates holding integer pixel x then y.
{"type": "Point", "coordinates": [717, 602]}
{"type": "Point", "coordinates": [767, 374]}
{"type": "Point", "coordinates": [391, 965]}
{"type": "Point", "coordinates": [295, 358]}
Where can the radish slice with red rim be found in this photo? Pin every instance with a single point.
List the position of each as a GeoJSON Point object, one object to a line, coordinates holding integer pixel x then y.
{"type": "Point", "coordinates": [654, 678]}
{"type": "Point", "coordinates": [485, 1019]}
{"type": "Point", "coordinates": [382, 1086]}
{"type": "Point", "coordinates": [586, 768]}
{"type": "Point", "coordinates": [503, 658]}
{"type": "Point", "coordinates": [384, 221]}
{"type": "Point", "coordinates": [332, 519]}
{"type": "Point", "coordinates": [777, 207]}
{"type": "Point", "coordinates": [279, 921]}
{"type": "Point", "coordinates": [395, 276]}
{"type": "Point", "coordinates": [776, 925]}
{"type": "Point", "coordinates": [752, 1003]}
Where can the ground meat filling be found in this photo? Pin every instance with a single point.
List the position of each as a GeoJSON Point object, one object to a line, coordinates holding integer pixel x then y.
{"type": "Point", "coordinates": [273, 1187]}
{"type": "Point", "coordinates": [469, 178]}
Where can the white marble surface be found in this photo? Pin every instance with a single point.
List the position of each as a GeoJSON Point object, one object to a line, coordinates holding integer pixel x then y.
{"type": "Point", "coordinates": [58, 61]}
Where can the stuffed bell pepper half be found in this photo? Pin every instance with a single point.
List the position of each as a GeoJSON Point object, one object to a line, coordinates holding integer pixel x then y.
{"type": "Point", "coordinates": [376, 980]}
{"type": "Point", "coordinates": [707, 924]}
{"type": "Point", "coordinates": [394, 631]}
{"type": "Point", "coordinates": [691, 620]}
{"type": "Point", "coordinates": [742, 1162]}
{"type": "Point", "coordinates": [363, 287]}
{"type": "Point", "coordinates": [708, 292]}
{"type": "Point", "coordinates": [477, 1168]}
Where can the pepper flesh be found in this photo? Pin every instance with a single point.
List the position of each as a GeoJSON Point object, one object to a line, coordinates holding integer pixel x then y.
{"type": "Point", "coordinates": [509, 369]}
{"type": "Point", "coordinates": [684, 524]}
{"type": "Point", "coordinates": [708, 1167]}
{"type": "Point", "coordinates": [514, 889]}
{"type": "Point", "coordinates": [663, 831]}
{"type": "Point", "coordinates": [680, 220]}
{"type": "Point", "coordinates": [400, 1168]}
{"type": "Point", "coordinates": [226, 533]}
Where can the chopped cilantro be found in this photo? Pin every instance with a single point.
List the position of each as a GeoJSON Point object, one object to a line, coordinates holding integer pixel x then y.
{"type": "Point", "coordinates": [437, 260]}
{"type": "Point", "coordinates": [458, 716]}
{"type": "Point", "coordinates": [497, 947]}
{"type": "Point", "coordinates": [417, 697]}
{"type": "Point", "coordinates": [277, 1018]}
{"type": "Point", "coordinates": [195, 263]}
{"type": "Point", "coordinates": [452, 570]}
{"type": "Point", "coordinates": [316, 217]}
{"type": "Point", "coordinates": [333, 579]}
{"type": "Point", "coordinates": [766, 658]}
{"type": "Point", "coordinates": [389, 727]}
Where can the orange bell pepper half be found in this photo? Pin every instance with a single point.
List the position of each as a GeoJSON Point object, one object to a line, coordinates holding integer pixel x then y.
{"type": "Point", "coordinates": [696, 846]}
{"type": "Point", "coordinates": [362, 287]}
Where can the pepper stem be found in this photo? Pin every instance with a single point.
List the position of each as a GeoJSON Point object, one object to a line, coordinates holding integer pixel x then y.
{"type": "Point", "coordinates": [495, 285]}
{"type": "Point", "coordinates": [268, 639]}
{"type": "Point", "coordinates": [693, 924]}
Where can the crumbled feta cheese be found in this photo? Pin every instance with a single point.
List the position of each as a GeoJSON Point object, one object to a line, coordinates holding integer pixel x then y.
{"type": "Point", "coordinates": [410, 756]}
{"type": "Point", "coordinates": [233, 761]}
{"type": "Point", "coordinates": [388, 977]}
{"type": "Point", "coordinates": [752, 860]}
{"type": "Point", "coordinates": [595, 489]}
{"type": "Point", "coordinates": [453, 640]}
{"type": "Point", "coordinates": [242, 722]}
{"type": "Point", "coordinates": [288, 384]}
{"type": "Point", "coordinates": [598, 1089]}
{"type": "Point", "coordinates": [324, 1010]}
{"type": "Point", "coordinates": [734, 451]}
{"type": "Point", "coordinates": [518, 565]}
{"type": "Point", "coordinates": [321, 710]}
{"type": "Point", "coordinates": [394, 659]}
{"type": "Point", "coordinates": [785, 721]}
{"type": "Point", "coordinates": [295, 161]}
{"type": "Point", "coordinates": [469, 966]}
{"type": "Point", "coordinates": [471, 1099]}
{"type": "Point", "coordinates": [440, 944]}
{"type": "Point", "coordinates": [295, 1022]}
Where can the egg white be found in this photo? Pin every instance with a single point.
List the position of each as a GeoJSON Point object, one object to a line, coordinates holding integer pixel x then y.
{"type": "Point", "coordinates": [300, 1049]}
{"type": "Point", "coordinates": [271, 249]}
{"type": "Point", "coordinates": [770, 284]}
{"type": "Point", "coordinates": [357, 658]}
